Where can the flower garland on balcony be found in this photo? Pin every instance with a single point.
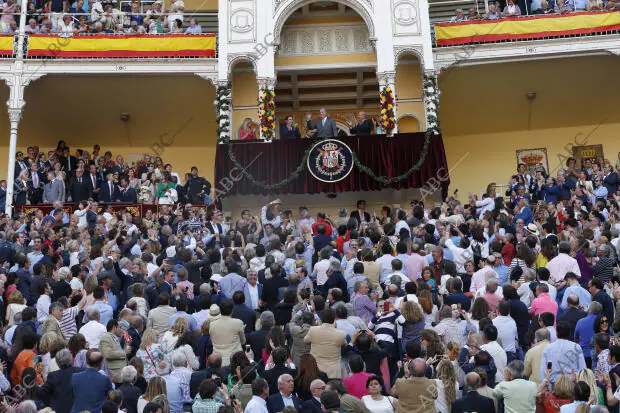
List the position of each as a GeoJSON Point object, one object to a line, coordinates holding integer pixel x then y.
{"type": "Point", "coordinates": [431, 100]}
{"type": "Point", "coordinates": [267, 114]}
{"type": "Point", "coordinates": [386, 117]}
{"type": "Point", "coordinates": [431, 103]}
{"type": "Point", "coordinates": [223, 99]}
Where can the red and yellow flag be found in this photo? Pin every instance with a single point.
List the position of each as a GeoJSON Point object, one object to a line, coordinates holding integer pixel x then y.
{"type": "Point", "coordinates": [525, 28]}
{"type": "Point", "coordinates": [122, 46]}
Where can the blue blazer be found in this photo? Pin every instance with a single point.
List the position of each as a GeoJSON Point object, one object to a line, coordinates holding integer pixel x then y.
{"type": "Point", "coordinates": [275, 403]}
{"type": "Point", "coordinates": [363, 128]}
{"type": "Point", "coordinates": [105, 195]}
{"type": "Point", "coordinates": [611, 182]}
{"type": "Point", "coordinates": [525, 215]}
{"type": "Point", "coordinates": [128, 195]}
{"type": "Point", "coordinates": [312, 406]}
{"type": "Point", "coordinates": [286, 134]}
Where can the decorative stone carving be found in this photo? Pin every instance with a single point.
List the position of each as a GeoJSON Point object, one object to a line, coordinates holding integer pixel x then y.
{"type": "Point", "coordinates": [405, 17]}
{"type": "Point", "coordinates": [234, 58]}
{"type": "Point", "coordinates": [325, 39]}
{"type": "Point", "coordinates": [266, 83]}
{"type": "Point", "coordinates": [211, 77]}
{"type": "Point", "coordinates": [400, 51]}
{"type": "Point", "coordinates": [386, 79]}
{"type": "Point", "coordinates": [242, 20]}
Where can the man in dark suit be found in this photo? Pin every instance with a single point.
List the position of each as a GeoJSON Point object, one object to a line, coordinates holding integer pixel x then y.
{"type": "Point", "coordinates": [21, 164]}
{"type": "Point", "coordinates": [363, 127]}
{"type": "Point", "coordinates": [36, 183]}
{"type": "Point", "coordinates": [275, 402]}
{"type": "Point", "coordinates": [473, 401]}
{"type": "Point", "coordinates": [273, 376]}
{"type": "Point", "coordinates": [127, 193]}
{"type": "Point", "coordinates": [62, 288]}
{"type": "Point", "coordinates": [131, 393]}
{"type": "Point", "coordinates": [610, 180]}
{"type": "Point", "coordinates": [56, 391]}
{"type": "Point", "coordinates": [214, 366]}
{"type": "Point", "coordinates": [257, 339]}
{"type": "Point", "coordinates": [573, 314]}
{"type": "Point", "coordinates": [360, 214]}
{"type": "Point", "coordinates": [108, 191]}
{"type": "Point", "coordinates": [243, 312]}
{"type": "Point", "coordinates": [94, 181]}
{"type": "Point", "coordinates": [2, 195]}
{"type": "Point", "coordinates": [317, 387]}
{"type": "Point", "coordinates": [79, 189]}
{"type": "Point", "coordinates": [271, 287]}
{"type": "Point", "coordinates": [288, 130]}
{"type": "Point", "coordinates": [325, 127]}
{"type": "Point", "coordinates": [68, 162]}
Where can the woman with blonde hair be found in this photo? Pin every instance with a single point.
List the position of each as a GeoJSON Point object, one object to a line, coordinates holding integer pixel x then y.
{"type": "Point", "coordinates": [562, 394]}
{"type": "Point", "coordinates": [170, 338]}
{"type": "Point", "coordinates": [156, 387]}
{"type": "Point", "coordinates": [414, 322]}
{"type": "Point", "coordinates": [447, 386]}
{"type": "Point", "coordinates": [596, 393]}
{"type": "Point", "coordinates": [246, 132]}
{"type": "Point", "coordinates": [150, 353]}
{"type": "Point", "coordinates": [16, 304]}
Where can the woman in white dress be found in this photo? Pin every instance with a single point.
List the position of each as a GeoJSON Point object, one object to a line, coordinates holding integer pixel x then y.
{"type": "Point", "coordinates": [171, 337]}
{"type": "Point", "coordinates": [16, 305]}
{"type": "Point", "coordinates": [376, 401]}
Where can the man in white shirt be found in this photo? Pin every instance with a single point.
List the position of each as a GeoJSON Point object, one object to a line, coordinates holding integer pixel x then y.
{"type": "Point", "coordinates": [258, 402]}
{"type": "Point", "coordinates": [93, 330]}
{"type": "Point", "coordinates": [489, 336]}
{"type": "Point", "coordinates": [506, 327]}
{"type": "Point", "coordinates": [562, 264]}
{"type": "Point", "coordinates": [254, 289]}
{"type": "Point", "coordinates": [43, 305]}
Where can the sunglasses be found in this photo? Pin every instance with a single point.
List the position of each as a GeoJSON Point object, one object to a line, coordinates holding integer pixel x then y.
{"type": "Point", "coordinates": [605, 321]}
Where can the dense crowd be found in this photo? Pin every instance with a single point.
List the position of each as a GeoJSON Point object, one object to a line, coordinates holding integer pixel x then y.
{"type": "Point", "coordinates": [514, 8]}
{"type": "Point", "coordinates": [87, 178]}
{"type": "Point", "coordinates": [503, 304]}
{"type": "Point", "coordinates": [82, 17]}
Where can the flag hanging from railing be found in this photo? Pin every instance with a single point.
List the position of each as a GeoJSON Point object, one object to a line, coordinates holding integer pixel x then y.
{"type": "Point", "coordinates": [6, 45]}
{"type": "Point", "coordinates": [122, 46]}
{"type": "Point", "coordinates": [525, 28]}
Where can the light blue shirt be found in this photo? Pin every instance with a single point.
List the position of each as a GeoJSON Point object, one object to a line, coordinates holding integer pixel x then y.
{"type": "Point", "coordinates": [191, 321]}
{"type": "Point", "coordinates": [564, 355]}
{"type": "Point", "coordinates": [572, 407]}
{"type": "Point", "coordinates": [234, 282]}
{"type": "Point", "coordinates": [288, 401]}
{"type": "Point", "coordinates": [105, 312]}
{"type": "Point", "coordinates": [175, 395]}
{"type": "Point", "coordinates": [112, 301]}
{"type": "Point", "coordinates": [502, 273]}
{"type": "Point", "coordinates": [584, 296]}
{"type": "Point", "coordinates": [351, 282]}
{"type": "Point", "coordinates": [8, 336]}
{"type": "Point", "coordinates": [34, 258]}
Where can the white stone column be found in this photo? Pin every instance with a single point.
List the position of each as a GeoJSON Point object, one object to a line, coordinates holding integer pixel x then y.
{"type": "Point", "coordinates": [15, 115]}
{"type": "Point", "coordinates": [17, 83]}
{"type": "Point", "coordinates": [21, 37]}
{"type": "Point", "coordinates": [266, 83]}
{"type": "Point", "coordinates": [388, 79]}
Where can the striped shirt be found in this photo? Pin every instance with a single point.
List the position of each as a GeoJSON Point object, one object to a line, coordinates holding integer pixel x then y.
{"type": "Point", "coordinates": [385, 326]}
{"type": "Point", "coordinates": [67, 323]}
{"type": "Point", "coordinates": [604, 269]}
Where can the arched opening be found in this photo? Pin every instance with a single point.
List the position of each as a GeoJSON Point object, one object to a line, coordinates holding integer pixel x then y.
{"type": "Point", "coordinates": [409, 92]}
{"type": "Point", "coordinates": [408, 124]}
{"type": "Point", "coordinates": [244, 95]}
{"type": "Point", "coordinates": [326, 60]}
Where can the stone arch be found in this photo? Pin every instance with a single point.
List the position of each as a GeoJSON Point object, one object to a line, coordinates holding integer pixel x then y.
{"type": "Point", "coordinates": [400, 52]}
{"type": "Point", "coordinates": [408, 116]}
{"type": "Point", "coordinates": [363, 10]}
{"type": "Point", "coordinates": [234, 59]}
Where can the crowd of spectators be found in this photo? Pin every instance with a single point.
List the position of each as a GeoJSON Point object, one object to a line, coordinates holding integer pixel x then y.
{"type": "Point", "coordinates": [87, 178]}
{"type": "Point", "coordinates": [511, 8]}
{"type": "Point", "coordinates": [496, 305]}
{"type": "Point", "coordinates": [83, 17]}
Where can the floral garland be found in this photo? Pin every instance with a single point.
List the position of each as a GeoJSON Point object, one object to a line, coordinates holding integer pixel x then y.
{"type": "Point", "coordinates": [267, 114]}
{"type": "Point", "coordinates": [431, 103]}
{"type": "Point", "coordinates": [223, 99]}
{"type": "Point", "coordinates": [387, 110]}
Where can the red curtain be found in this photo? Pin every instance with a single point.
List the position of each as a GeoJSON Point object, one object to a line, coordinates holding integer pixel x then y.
{"type": "Point", "coordinates": [275, 161]}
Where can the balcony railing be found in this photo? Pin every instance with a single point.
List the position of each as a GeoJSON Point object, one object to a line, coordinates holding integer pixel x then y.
{"type": "Point", "coordinates": [536, 27]}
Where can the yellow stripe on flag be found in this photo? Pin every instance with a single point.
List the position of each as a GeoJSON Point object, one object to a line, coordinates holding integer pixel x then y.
{"type": "Point", "coordinates": [139, 44]}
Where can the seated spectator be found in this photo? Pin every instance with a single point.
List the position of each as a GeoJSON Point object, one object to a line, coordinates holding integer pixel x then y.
{"type": "Point", "coordinates": [459, 17]}
{"type": "Point", "coordinates": [511, 9]}
{"type": "Point", "coordinates": [493, 13]}
{"type": "Point", "coordinates": [194, 27]}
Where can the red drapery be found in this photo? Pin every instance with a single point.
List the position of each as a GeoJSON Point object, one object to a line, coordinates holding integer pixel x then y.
{"type": "Point", "coordinates": [275, 161]}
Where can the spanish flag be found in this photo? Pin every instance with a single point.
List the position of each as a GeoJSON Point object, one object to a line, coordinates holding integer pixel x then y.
{"type": "Point", "coordinates": [122, 46]}
{"type": "Point", "coordinates": [6, 45]}
{"type": "Point", "coordinates": [525, 28]}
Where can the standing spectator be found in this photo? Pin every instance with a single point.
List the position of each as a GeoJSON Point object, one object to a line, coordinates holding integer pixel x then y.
{"type": "Point", "coordinates": [56, 392]}
{"type": "Point", "coordinates": [226, 333]}
{"type": "Point", "coordinates": [534, 355]}
{"type": "Point", "coordinates": [473, 400]}
{"type": "Point", "coordinates": [114, 356]}
{"type": "Point", "coordinates": [519, 395]}
{"type": "Point", "coordinates": [562, 264]}
{"type": "Point", "coordinates": [573, 313]}
{"type": "Point", "coordinates": [563, 354]}
{"type": "Point", "coordinates": [130, 392]}
{"type": "Point", "coordinates": [326, 343]}
{"type": "Point", "coordinates": [415, 392]}
{"type": "Point", "coordinates": [597, 290]}
{"type": "Point", "coordinates": [90, 387]}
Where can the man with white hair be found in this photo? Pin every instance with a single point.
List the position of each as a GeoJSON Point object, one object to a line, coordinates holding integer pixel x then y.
{"type": "Point", "coordinates": [130, 392]}
{"type": "Point", "coordinates": [93, 330]}
{"type": "Point", "coordinates": [181, 372]}
{"type": "Point", "coordinates": [56, 391]}
{"type": "Point", "coordinates": [480, 277]}
{"type": "Point", "coordinates": [562, 264]}
{"type": "Point", "coordinates": [491, 292]}
{"type": "Point", "coordinates": [519, 395]}
{"type": "Point", "coordinates": [313, 405]}
{"type": "Point", "coordinates": [285, 397]}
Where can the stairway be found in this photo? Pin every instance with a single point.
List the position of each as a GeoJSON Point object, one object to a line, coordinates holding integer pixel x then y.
{"type": "Point", "coordinates": [443, 10]}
